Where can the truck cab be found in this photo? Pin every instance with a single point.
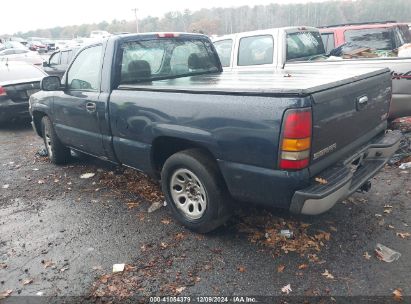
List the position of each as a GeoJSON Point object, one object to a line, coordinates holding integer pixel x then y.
{"type": "Point", "coordinates": [268, 48]}
{"type": "Point", "coordinates": [382, 36]}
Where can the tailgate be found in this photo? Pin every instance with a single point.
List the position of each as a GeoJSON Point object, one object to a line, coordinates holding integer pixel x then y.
{"type": "Point", "coordinates": [347, 117]}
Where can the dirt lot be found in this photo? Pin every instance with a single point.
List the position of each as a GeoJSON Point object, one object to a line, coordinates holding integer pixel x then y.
{"type": "Point", "coordinates": [60, 236]}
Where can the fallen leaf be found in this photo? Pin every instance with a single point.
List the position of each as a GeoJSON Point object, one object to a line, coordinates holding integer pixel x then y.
{"type": "Point", "coordinates": [403, 235]}
{"type": "Point", "coordinates": [180, 289]}
{"type": "Point", "coordinates": [5, 294]}
{"type": "Point", "coordinates": [163, 245]}
{"type": "Point", "coordinates": [286, 289]}
{"type": "Point", "coordinates": [303, 266]}
{"type": "Point", "coordinates": [64, 269]}
{"type": "Point", "coordinates": [397, 294]}
{"type": "Point", "coordinates": [6, 186]}
{"type": "Point", "coordinates": [27, 281]}
{"type": "Point", "coordinates": [3, 266]}
{"type": "Point", "coordinates": [132, 205]}
{"type": "Point", "coordinates": [154, 207]}
{"type": "Point", "coordinates": [332, 228]}
{"type": "Point", "coordinates": [391, 227]}
{"type": "Point", "coordinates": [241, 269]}
{"type": "Point", "coordinates": [280, 268]}
{"type": "Point", "coordinates": [165, 221]}
{"type": "Point", "coordinates": [366, 255]}
{"type": "Point", "coordinates": [180, 236]}
{"type": "Point", "coordinates": [327, 274]}
{"type": "Point", "coordinates": [323, 236]}
{"type": "Point", "coordinates": [87, 175]}
{"type": "Point", "coordinates": [387, 211]}
{"type": "Point", "coordinates": [40, 182]}
{"type": "Point", "coordinates": [321, 181]}
{"type": "Point", "coordinates": [48, 264]}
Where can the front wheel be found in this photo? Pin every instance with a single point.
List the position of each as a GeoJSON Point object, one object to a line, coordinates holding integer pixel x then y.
{"type": "Point", "coordinates": [195, 191]}
{"type": "Point", "coordinates": [56, 151]}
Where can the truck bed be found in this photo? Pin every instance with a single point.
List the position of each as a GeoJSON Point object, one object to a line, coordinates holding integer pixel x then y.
{"type": "Point", "coordinates": [260, 83]}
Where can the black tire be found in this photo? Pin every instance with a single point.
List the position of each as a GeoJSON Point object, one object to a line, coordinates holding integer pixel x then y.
{"type": "Point", "coordinates": [217, 209]}
{"type": "Point", "coordinates": [57, 152]}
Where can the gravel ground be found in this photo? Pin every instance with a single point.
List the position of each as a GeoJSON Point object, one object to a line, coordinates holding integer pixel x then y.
{"type": "Point", "coordinates": [60, 236]}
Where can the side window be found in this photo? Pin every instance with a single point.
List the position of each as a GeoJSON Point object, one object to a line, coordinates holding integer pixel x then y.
{"type": "Point", "coordinates": [84, 73]}
{"type": "Point", "coordinates": [64, 57]}
{"type": "Point", "coordinates": [55, 59]}
{"type": "Point", "coordinates": [328, 41]}
{"type": "Point", "coordinates": [224, 48]}
{"type": "Point", "coordinates": [256, 50]}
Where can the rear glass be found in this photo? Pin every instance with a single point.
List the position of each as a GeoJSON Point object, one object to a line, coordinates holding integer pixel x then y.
{"type": "Point", "coordinates": [148, 60]}
{"type": "Point", "coordinates": [18, 71]}
{"type": "Point", "coordinates": [304, 45]}
{"type": "Point", "coordinates": [256, 50]}
{"type": "Point", "coordinates": [223, 49]}
{"type": "Point", "coordinates": [328, 41]}
{"type": "Point", "coordinates": [377, 38]}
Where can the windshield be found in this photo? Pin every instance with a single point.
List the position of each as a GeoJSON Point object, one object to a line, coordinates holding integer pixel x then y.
{"type": "Point", "coordinates": [164, 58]}
{"type": "Point", "coordinates": [304, 45]}
{"type": "Point", "coordinates": [377, 38]}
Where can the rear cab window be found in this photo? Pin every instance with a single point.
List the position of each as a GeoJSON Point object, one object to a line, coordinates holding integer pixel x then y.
{"type": "Point", "coordinates": [304, 45]}
{"type": "Point", "coordinates": [255, 50]}
{"type": "Point", "coordinates": [163, 58]}
{"type": "Point", "coordinates": [224, 49]}
{"type": "Point", "coordinates": [374, 38]}
{"type": "Point", "coordinates": [328, 41]}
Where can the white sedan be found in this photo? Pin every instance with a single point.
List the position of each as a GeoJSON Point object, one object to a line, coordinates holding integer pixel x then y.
{"type": "Point", "coordinates": [21, 55]}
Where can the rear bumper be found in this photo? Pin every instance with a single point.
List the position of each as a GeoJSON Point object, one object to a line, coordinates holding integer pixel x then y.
{"type": "Point", "coordinates": [345, 178]}
{"type": "Point", "coordinates": [10, 110]}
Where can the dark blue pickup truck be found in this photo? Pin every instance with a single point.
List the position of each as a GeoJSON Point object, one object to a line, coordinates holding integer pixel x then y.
{"type": "Point", "coordinates": [160, 103]}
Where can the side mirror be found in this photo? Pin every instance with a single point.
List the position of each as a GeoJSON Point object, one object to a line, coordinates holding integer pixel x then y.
{"type": "Point", "coordinates": [50, 83]}
{"type": "Point", "coordinates": [45, 64]}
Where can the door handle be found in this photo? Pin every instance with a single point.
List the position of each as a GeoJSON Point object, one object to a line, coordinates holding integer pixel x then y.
{"type": "Point", "coordinates": [91, 107]}
{"type": "Point", "coordinates": [362, 102]}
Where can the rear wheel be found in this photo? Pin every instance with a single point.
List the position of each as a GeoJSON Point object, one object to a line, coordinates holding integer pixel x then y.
{"type": "Point", "coordinates": [195, 191]}
{"type": "Point", "coordinates": [56, 151]}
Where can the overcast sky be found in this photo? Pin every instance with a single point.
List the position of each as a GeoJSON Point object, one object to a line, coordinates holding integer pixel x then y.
{"type": "Point", "coordinates": [18, 15]}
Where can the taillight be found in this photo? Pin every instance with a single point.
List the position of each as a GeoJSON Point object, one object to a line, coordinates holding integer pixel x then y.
{"type": "Point", "coordinates": [296, 139]}
{"type": "Point", "coordinates": [2, 92]}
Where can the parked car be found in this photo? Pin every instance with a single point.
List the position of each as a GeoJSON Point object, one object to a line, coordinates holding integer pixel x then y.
{"type": "Point", "coordinates": [18, 81]}
{"type": "Point", "coordinates": [99, 34]}
{"type": "Point", "coordinates": [12, 45]}
{"type": "Point", "coordinates": [20, 40]}
{"type": "Point", "coordinates": [62, 44]}
{"type": "Point", "coordinates": [59, 62]}
{"type": "Point", "coordinates": [298, 48]}
{"type": "Point", "coordinates": [51, 45]}
{"type": "Point", "coordinates": [161, 104]}
{"type": "Point", "coordinates": [21, 55]}
{"type": "Point", "coordinates": [383, 36]}
{"type": "Point", "coordinates": [37, 46]}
